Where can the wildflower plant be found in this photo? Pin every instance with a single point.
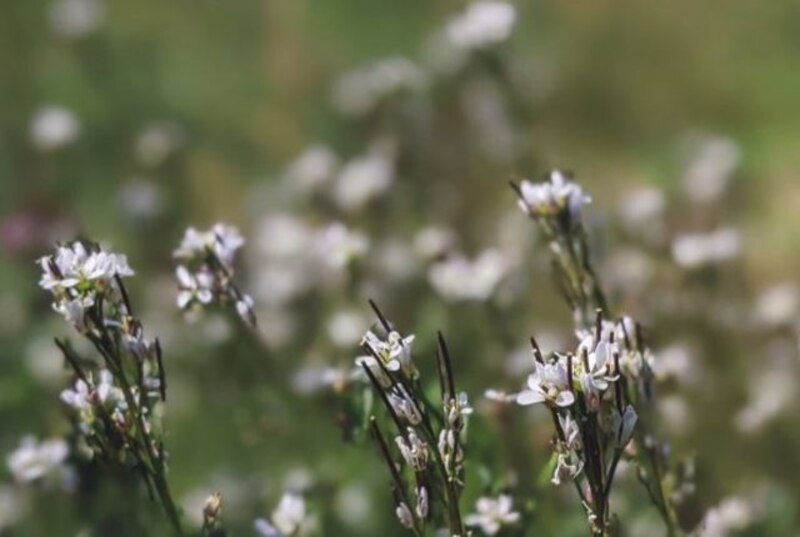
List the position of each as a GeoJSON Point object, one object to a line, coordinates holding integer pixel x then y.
{"type": "Point", "coordinates": [116, 402]}
{"type": "Point", "coordinates": [601, 395]}
{"type": "Point", "coordinates": [426, 464]}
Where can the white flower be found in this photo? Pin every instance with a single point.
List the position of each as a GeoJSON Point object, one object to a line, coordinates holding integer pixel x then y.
{"type": "Point", "coordinates": [364, 178]}
{"type": "Point", "coordinates": [548, 384]}
{"type": "Point", "coordinates": [572, 433]}
{"type": "Point", "coordinates": [313, 168]}
{"type": "Point", "coordinates": [500, 396]}
{"type": "Point", "coordinates": [226, 241]}
{"type": "Point", "coordinates": [457, 409]}
{"type": "Point", "coordinates": [375, 368]}
{"type": "Point", "coordinates": [338, 246]}
{"type": "Point", "coordinates": [33, 460]}
{"type": "Point", "coordinates": [404, 515]}
{"type": "Point", "coordinates": [74, 311]}
{"type": "Point", "coordinates": [76, 18]}
{"type": "Point", "coordinates": [549, 199]}
{"type": "Point", "coordinates": [222, 240]}
{"type": "Point", "coordinates": [157, 141]}
{"type": "Point", "coordinates": [360, 91]}
{"type": "Point", "coordinates": [76, 276]}
{"type": "Point", "coordinates": [394, 352]}
{"type": "Point", "coordinates": [422, 502]}
{"type": "Point", "coordinates": [624, 426]}
{"type": "Point", "coordinates": [594, 379]}
{"type": "Point", "coordinates": [483, 24]}
{"type": "Point", "coordinates": [696, 250]}
{"type": "Point", "coordinates": [404, 406]}
{"type": "Point", "coordinates": [568, 466]}
{"type": "Point", "coordinates": [458, 278]}
{"type": "Point", "coordinates": [78, 397]}
{"type": "Point", "coordinates": [345, 327]}
{"type": "Point", "coordinates": [414, 450]}
{"type": "Point", "coordinates": [244, 307]}
{"type": "Point", "coordinates": [708, 175]}
{"type": "Point", "coordinates": [54, 127]}
{"type": "Point", "coordinates": [265, 529]}
{"type": "Point", "coordinates": [493, 513]}
{"type": "Point", "coordinates": [290, 514]}
{"type": "Point", "coordinates": [196, 287]}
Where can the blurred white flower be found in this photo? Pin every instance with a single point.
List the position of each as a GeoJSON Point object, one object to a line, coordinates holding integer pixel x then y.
{"type": "Point", "coordinates": [282, 236]}
{"type": "Point", "coordinates": [641, 210]}
{"type": "Point", "coordinates": [53, 127]}
{"type": "Point", "coordinates": [491, 514]}
{"type": "Point", "coordinates": [358, 92]}
{"type": "Point", "coordinates": [194, 287]}
{"type": "Point", "coordinates": [345, 327]}
{"type": "Point", "coordinates": [353, 505]}
{"type": "Point", "coordinates": [395, 260]}
{"type": "Point", "coordinates": [221, 239]}
{"type": "Point", "coordinates": [778, 305]}
{"type": "Point", "coordinates": [34, 460]}
{"type": "Point", "coordinates": [458, 278]}
{"type": "Point", "coordinates": [724, 520]}
{"type": "Point", "coordinates": [364, 178]}
{"type": "Point", "coordinates": [708, 175]}
{"type": "Point", "coordinates": [141, 198]}
{"type": "Point", "coordinates": [338, 246]}
{"type": "Point", "coordinates": [287, 520]}
{"type": "Point", "coordinates": [433, 241]}
{"type": "Point", "coordinates": [677, 361]}
{"type": "Point", "coordinates": [482, 24]}
{"type": "Point", "coordinates": [313, 378]}
{"type": "Point", "coordinates": [772, 391]}
{"type": "Point", "coordinates": [314, 168]}
{"type": "Point", "coordinates": [76, 18]}
{"type": "Point", "coordinates": [701, 249]}
{"type": "Point", "coordinates": [157, 141]}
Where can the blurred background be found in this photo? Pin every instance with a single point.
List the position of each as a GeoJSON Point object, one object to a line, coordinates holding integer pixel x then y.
{"type": "Point", "coordinates": [364, 151]}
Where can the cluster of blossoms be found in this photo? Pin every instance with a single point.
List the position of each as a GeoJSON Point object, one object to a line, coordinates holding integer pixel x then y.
{"type": "Point", "coordinates": [206, 275]}
{"type": "Point", "coordinates": [79, 276]}
{"type": "Point", "coordinates": [429, 439]}
{"type": "Point", "coordinates": [116, 405]}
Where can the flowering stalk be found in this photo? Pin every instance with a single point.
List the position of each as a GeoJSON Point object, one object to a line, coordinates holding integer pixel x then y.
{"type": "Point", "coordinates": [116, 405]}
{"type": "Point", "coordinates": [598, 387]}
{"type": "Point", "coordinates": [429, 439]}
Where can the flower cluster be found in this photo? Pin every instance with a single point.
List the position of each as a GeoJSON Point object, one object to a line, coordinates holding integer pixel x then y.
{"type": "Point", "coordinates": [206, 276]}
{"type": "Point", "coordinates": [114, 406]}
{"type": "Point", "coordinates": [429, 439]}
{"type": "Point", "coordinates": [558, 198]}
{"type": "Point", "coordinates": [587, 393]}
{"type": "Point", "coordinates": [79, 276]}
